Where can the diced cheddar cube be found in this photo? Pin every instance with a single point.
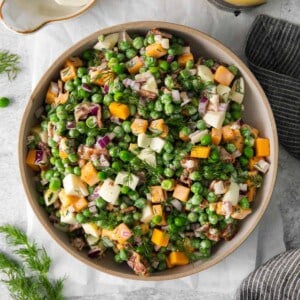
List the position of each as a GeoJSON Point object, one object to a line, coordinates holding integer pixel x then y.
{"type": "Point", "coordinates": [122, 233]}
{"type": "Point", "coordinates": [238, 141]}
{"type": "Point", "coordinates": [239, 213]}
{"type": "Point", "coordinates": [101, 77]}
{"type": "Point", "coordinates": [119, 110]}
{"type": "Point", "coordinates": [30, 160]}
{"type": "Point", "coordinates": [155, 50]}
{"type": "Point", "coordinates": [184, 58]}
{"type": "Point", "coordinates": [68, 73]}
{"type": "Point", "coordinates": [139, 126]}
{"type": "Point", "coordinates": [63, 148]}
{"type": "Point", "coordinates": [200, 152]}
{"type": "Point", "coordinates": [108, 233]}
{"type": "Point", "coordinates": [52, 93]}
{"type": "Point", "coordinates": [227, 133]}
{"type": "Point", "coordinates": [181, 192]}
{"type": "Point", "coordinates": [262, 147]}
{"type": "Point", "coordinates": [80, 204]}
{"type": "Point", "coordinates": [66, 200]}
{"type": "Point", "coordinates": [216, 136]}
{"type": "Point", "coordinates": [169, 265]}
{"type": "Point", "coordinates": [160, 238]}
{"type": "Point", "coordinates": [134, 65]}
{"type": "Point", "coordinates": [251, 193]}
{"type": "Point", "coordinates": [62, 98]}
{"type": "Point", "coordinates": [178, 258]}
{"type": "Point", "coordinates": [158, 194]}
{"type": "Point", "coordinates": [219, 209]}
{"type": "Point", "coordinates": [74, 61]}
{"type": "Point", "coordinates": [159, 126]}
{"type": "Point", "coordinates": [89, 174]}
{"type": "Point", "coordinates": [223, 76]}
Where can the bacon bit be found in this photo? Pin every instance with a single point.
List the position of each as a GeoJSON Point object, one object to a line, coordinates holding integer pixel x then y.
{"type": "Point", "coordinates": [204, 204]}
{"type": "Point", "coordinates": [184, 178]}
{"type": "Point", "coordinates": [127, 209]}
{"type": "Point", "coordinates": [86, 152]}
{"type": "Point", "coordinates": [78, 243]}
{"type": "Point", "coordinates": [156, 31]}
{"type": "Point", "coordinates": [213, 234]}
{"type": "Point", "coordinates": [228, 233]}
{"type": "Point", "coordinates": [147, 94]}
{"type": "Point", "coordinates": [203, 228]}
{"type": "Point", "coordinates": [81, 163]}
{"type": "Point", "coordinates": [135, 263]}
{"type": "Point", "coordinates": [83, 110]}
{"type": "Point", "coordinates": [225, 156]}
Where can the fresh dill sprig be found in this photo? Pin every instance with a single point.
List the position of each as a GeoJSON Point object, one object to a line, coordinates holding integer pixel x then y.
{"type": "Point", "coordinates": [9, 64]}
{"type": "Point", "coordinates": [27, 278]}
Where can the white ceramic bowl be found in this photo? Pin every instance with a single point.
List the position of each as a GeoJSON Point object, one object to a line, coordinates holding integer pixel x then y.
{"type": "Point", "coordinates": [26, 16]}
{"type": "Point", "coordinates": [257, 113]}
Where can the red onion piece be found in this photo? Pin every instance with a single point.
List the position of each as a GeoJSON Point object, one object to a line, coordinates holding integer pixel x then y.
{"type": "Point", "coordinates": [40, 157]}
{"type": "Point", "coordinates": [93, 253]}
{"type": "Point", "coordinates": [106, 89]}
{"type": "Point", "coordinates": [103, 141]}
{"type": "Point", "coordinates": [170, 58]}
{"type": "Point", "coordinates": [94, 110]}
{"type": "Point", "coordinates": [202, 105]}
{"type": "Point", "coordinates": [70, 125]}
{"type": "Point", "coordinates": [86, 87]}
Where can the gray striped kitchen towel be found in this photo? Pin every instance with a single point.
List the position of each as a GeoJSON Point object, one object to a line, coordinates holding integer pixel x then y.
{"type": "Point", "coordinates": [277, 279]}
{"type": "Point", "coordinates": [273, 54]}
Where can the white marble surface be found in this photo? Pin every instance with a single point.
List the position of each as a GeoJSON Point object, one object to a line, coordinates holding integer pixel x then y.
{"type": "Point", "coordinates": [227, 28]}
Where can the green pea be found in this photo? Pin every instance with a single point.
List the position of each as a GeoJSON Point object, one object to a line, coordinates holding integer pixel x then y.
{"type": "Point", "coordinates": [132, 109]}
{"type": "Point", "coordinates": [69, 86]}
{"type": "Point", "coordinates": [114, 151]}
{"type": "Point", "coordinates": [158, 106]}
{"type": "Point", "coordinates": [55, 184]}
{"type": "Point", "coordinates": [53, 118]}
{"type": "Point", "coordinates": [201, 125]}
{"type": "Point", "coordinates": [91, 122]}
{"type": "Point", "coordinates": [166, 99]}
{"type": "Point", "coordinates": [119, 132]}
{"type": "Point", "coordinates": [87, 213]}
{"type": "Point", "coordinates": [156, 219]}
{"type": "Point", "coordinates": [81, 71]}
{"type": "Point", "coordinates": [167, 156]}
{"type": "Point", "coordinates": [125, 189]}
{"type": "Point", "coordinates": [120, 57]}
{"type": "Point", "coordinates": [90, 141]}
{"type": "Point", "coordinates": [245, 131]}
{"type": "Point", "coordinates": [233, 69]}
{"type": "Point", "coordinates": [117, 166]}
{"type": "Point", "coordinates": [77, 82]}
{"type": "Point", "coordinates": [73, 157]}
{"type": "Point", "coordinates": [124, 45]}
{"type": "Point", "coordinates": [118, 258]}
{"type": "Point", "coordinates": [169, 82]}
{"type": "Point", "coordinates": [87, 54]}
{"type": "Point", "coordinates": [192, 217]}
{"type": "Point", "coordinates": [189, 64]}
{"type": "Point", "coordinates": [203, 218]}
{"type": "Point", "coordinates": [169, 109]}
{"type": "Point", "coordinates": [4, 102]}
{"type": "Point", "coordinates": [196, 243]}
{"type": "Point", "coordinates": [196, 199]}
{"type": "Point", "coordinates": [101, 203]}
{"type": "Point", "coordinates": [86, 79]}
{"type": "Point", "coordinates": [80, 218]}
{"type": "Point", "coordinates": [77, 171]}
{"type": "Point", "coordinates": [185, 131]}
{"type": "Point", "coordinates": [74, 133]}
{"type": "Point", "coordinates": [140, 203]}
{"type": "Point", "coordinates": [167, 184]}
{"type": "Point", "coordinates": [213, 219]}
{"type": "Point", "coordinates": [164, 66]}
{"type": "Point", "coordinates": [249, 141]}
{"type": "Point", "coordinates": [174, 66]}
{"type": "Point", "coordinates": [123, 255]}
{"type": "Point", "coordinates": [197, 188]}
{"type": "Point", "coordinates": [97, 98]}
{"type": "Point", "coordinates": [248, 152]}
{"type": "Point", "coordinates": [81, 127]}
{"type": "Point", "coordinates": [214, 156]}
{"type": "Point", "coordinates": [168, 172]}
{"type": "Point", "coordinates": [108, 99]}
{"type": "Point", "coordinates": [206, 140]}
{"type": "Point", "coordinates": [194, 176]}
{"type": "Point", "coordinates": [125, 155]}
{"type": "Point", "coordinates": [211, 197]}
{"type": "Point", "coordinates": [244, 203]}
{"type": "Point", "coordinates": [230, 147]}
{"type": "Point", "coordinates": [138, 43]}
{"type": "Point", "coordinates": [150, 61]}
{"type": "Point", "coordinates": [171, 51]}
{"type": "Point", "coordinates": [55, 152]}
{"type": "Point", "coordinates": [49, 174]}
{"type": "Point", "coordinates": [168, 147]}
{"type": "Point", "coordinates": [150, 39]}
{"type": "Point", "coordinates": [205, 244]}
{"type": "Point", "coordinates": [244, 161]}
{"type": "Point", "coordinates": [180, 221]}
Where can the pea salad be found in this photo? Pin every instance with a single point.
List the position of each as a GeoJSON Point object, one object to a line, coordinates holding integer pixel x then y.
{"type": "Point", "coordinates": [141, 150]}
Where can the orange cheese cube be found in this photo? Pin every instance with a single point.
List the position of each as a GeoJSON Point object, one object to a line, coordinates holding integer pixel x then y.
{"type": "Point", "coordinates": [119, 110]}
{"type": "Point", "coordinates": [219, 209]}
{"type": "Point", "coordinates": [262, 147]}
{"type": "Point", "coordinates": [52, 93]}
{"type": "Point", "coordinates": [66, 200]}
{"type": "Point", "coordinates": [239, 213]}
{"type": "Point", "coordinates": [157, 194]}
{"type": "Point", "coordinates": [181, 192]}
{"type": "Point", "coordinates": [200, 152]}
{"type": "Point", "coordinates": [74, 61]}
{"type": "Point", "coordinates": [216, 136]}
{"type": "Point", "coordinates": [134, 65]}
{"type": "Point", "coordinates": [223, 76]}
{"type": "Point", "coordinates": [251, 193]}
{"type": "Point", "coordinates": [68, 73]}
{"type": "Point", "coordinates": [89, 174]}
{"type": "Point", "coordinates": [178, 259]}
{"type": "Point", "coordinates": [139, 126]}
{"type": "Point", "coordinates": [80, 204]}
{"type": "Point", "coordinates": [227, 133]}
{"type": "Point", "coordinates": [184, 58]}
{"type": "Point", "coordinates": [30, 160]}
{"type": "Point", "coordinates": [122, 233]}
{"type": "Point", "coordinates": [160, 238]}
{"type": "Point", "coordinates": [155, 50]}
{"type": "Point", "coordinates": [158, 126]}
{"type": "Point", "coordinates": [101, 77]}
{"type": "Point", "coordinates": [62, 98]}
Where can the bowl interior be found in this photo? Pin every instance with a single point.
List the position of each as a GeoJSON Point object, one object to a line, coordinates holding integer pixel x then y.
{"type": "Point", "coordinates": [257, 114]}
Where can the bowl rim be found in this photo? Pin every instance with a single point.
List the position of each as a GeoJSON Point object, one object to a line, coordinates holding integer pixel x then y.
{"type": "Point", "coordinates": [67, 17]}
{"type": "Point", "coordinates": [132, 26]}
